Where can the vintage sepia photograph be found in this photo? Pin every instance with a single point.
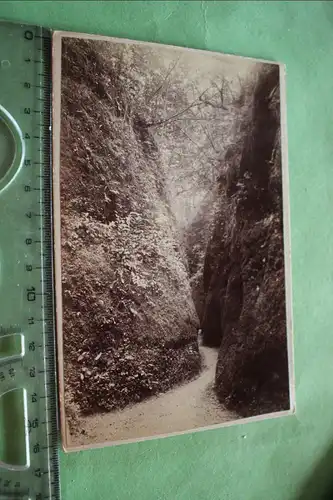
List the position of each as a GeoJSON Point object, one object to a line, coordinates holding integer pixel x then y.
{"type": "Point", "coordinates": [171, 240]}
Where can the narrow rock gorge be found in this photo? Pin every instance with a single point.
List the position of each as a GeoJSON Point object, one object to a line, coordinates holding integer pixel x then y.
{"type": "Point", "coordinates": [172, 239]}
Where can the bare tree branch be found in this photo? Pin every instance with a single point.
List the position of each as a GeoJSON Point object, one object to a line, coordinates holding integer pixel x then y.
{"type": "Point", "coordinates": [186, 135]}
{"type": "Point", "coordinates": [190, 118]}
{"type": "Point", "coordinates": [193, 104]}
{"type": "Point", "coordinates": [163, 82]}
{"type": "Point", "coordinates": [205, 131]}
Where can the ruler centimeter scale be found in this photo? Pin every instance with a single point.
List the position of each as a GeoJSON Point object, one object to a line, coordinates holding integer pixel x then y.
{"type": "Point", "coordinates": [28, 397]}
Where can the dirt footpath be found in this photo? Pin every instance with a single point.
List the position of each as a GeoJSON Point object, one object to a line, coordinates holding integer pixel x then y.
{"type": "Point", "coordinates": [186, 407]}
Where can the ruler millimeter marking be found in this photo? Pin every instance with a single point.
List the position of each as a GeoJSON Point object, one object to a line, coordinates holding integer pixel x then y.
{"type": "Point", "coordinates": [26, 264]}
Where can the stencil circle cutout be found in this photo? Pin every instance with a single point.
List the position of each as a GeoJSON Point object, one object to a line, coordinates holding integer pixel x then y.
{"type": "Point", "coordinates": [11, 148]}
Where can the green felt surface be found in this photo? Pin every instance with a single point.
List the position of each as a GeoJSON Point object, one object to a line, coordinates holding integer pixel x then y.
{"type": "Point", "coordinates": [280, 459]}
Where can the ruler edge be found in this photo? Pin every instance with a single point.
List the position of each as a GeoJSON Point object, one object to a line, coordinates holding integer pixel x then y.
{"type": "Point", "coordinates": [49, 66]}
{"type": "Point", "coordinates": [56, 210]}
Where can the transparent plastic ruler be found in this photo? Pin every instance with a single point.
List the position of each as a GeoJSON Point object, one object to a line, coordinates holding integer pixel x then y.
{"type": "Point", "coordinates": [28, 396]}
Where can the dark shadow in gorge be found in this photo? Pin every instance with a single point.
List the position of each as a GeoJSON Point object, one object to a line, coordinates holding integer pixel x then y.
{"type": "Point", "coordinates": [237, 265]}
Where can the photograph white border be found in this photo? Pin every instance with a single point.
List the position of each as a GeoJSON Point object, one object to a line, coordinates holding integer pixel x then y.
{"type": "Point", "coordinates": [56, 99]}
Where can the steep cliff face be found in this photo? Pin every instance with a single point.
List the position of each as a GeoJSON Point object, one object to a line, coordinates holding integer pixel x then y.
{"type": "Point", "coordinates": [244, 309]}
{"type": "Point", "coordinates": [130, 327]}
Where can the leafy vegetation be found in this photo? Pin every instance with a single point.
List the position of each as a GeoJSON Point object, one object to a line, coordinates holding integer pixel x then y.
{"type": "Point", "coordinates": [130, 326]}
